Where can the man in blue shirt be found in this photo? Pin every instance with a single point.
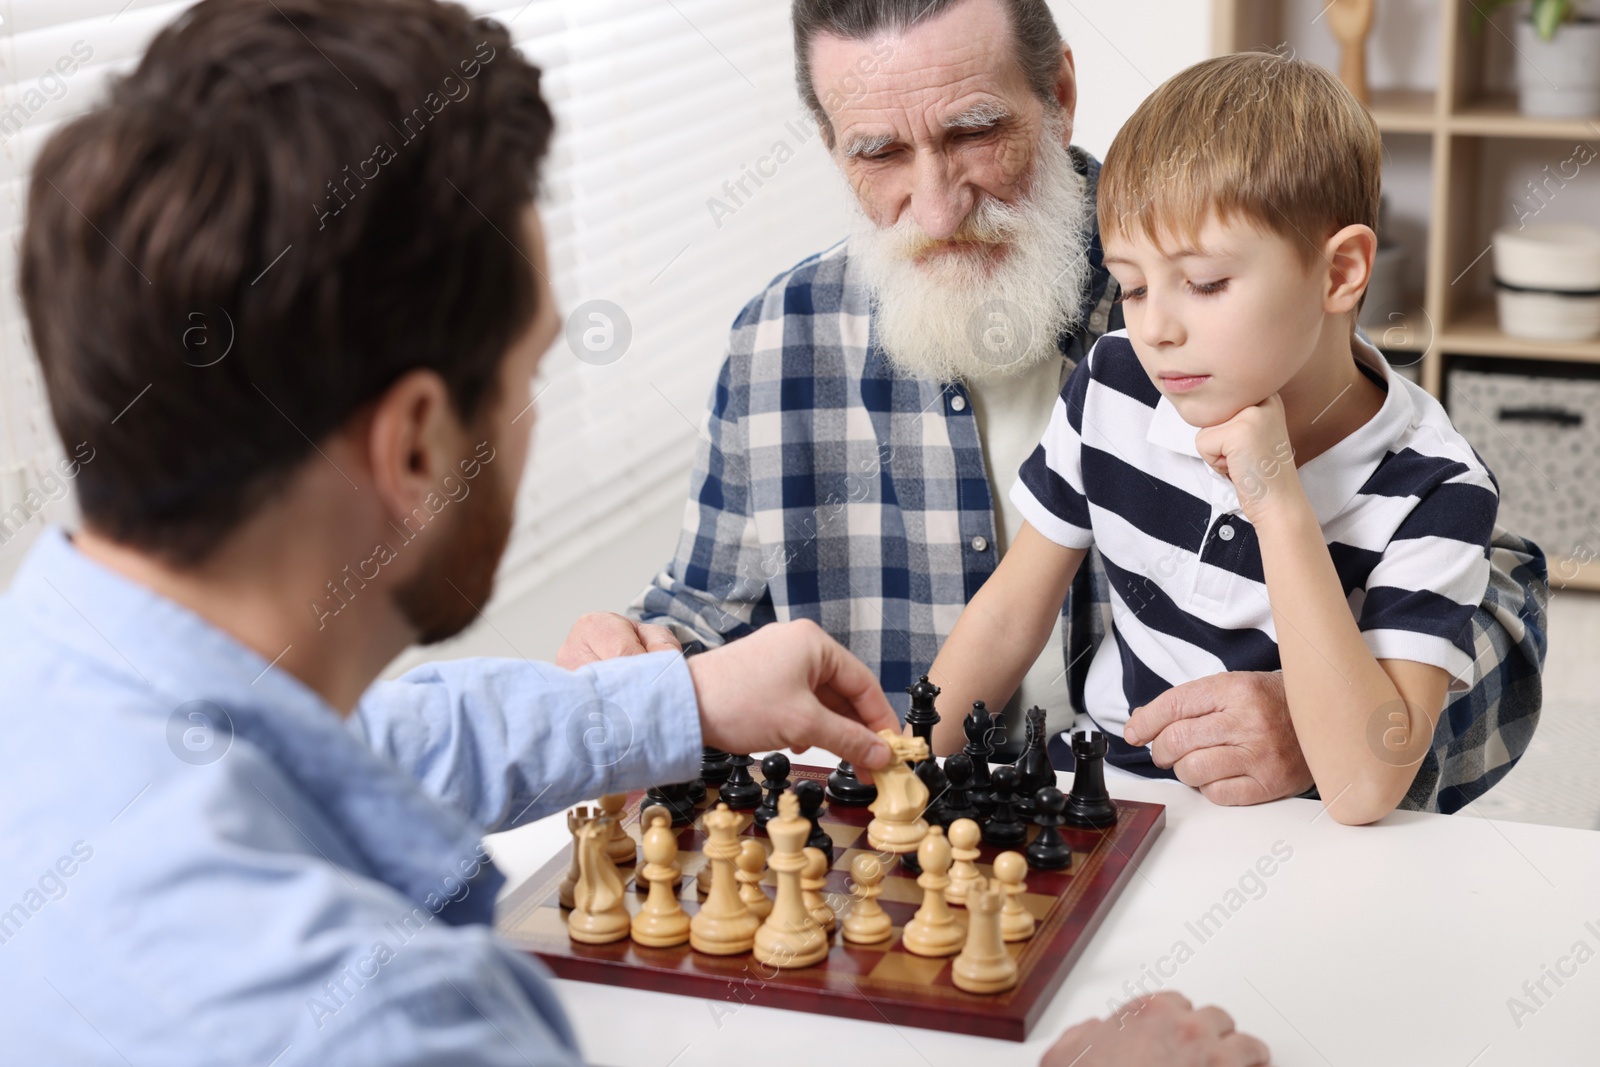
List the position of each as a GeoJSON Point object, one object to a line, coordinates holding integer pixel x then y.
{"type": "Point", "coordinates": [222, 842]}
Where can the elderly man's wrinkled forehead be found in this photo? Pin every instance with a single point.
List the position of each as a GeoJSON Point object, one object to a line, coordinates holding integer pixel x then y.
{"type": "Point", "coordinates": [958, 71]}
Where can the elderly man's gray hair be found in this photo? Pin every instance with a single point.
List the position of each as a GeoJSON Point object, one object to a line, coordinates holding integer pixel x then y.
{"type": "Point", "coordinates": [1033, 29]}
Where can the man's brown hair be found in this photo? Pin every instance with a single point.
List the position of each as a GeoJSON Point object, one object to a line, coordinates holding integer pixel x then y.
{"type": "Point", "coordinates": [286, 206]}
{"type": "Point", "coordinates": [1272, 139]}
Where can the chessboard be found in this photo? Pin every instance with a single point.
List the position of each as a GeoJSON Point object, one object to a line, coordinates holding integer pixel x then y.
{"type": "Point", "coordinates": [880, 982]}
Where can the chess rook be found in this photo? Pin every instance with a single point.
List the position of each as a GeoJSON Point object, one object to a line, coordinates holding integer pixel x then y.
{"type": "Point", "coordinates": [1089, 806]}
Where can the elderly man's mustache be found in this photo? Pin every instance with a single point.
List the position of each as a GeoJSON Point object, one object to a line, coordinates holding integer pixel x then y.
{"type": "Point", "coordinates": [992, 222]}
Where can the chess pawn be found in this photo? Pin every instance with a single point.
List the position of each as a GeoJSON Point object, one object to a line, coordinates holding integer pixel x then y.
{"type": "Point", "coordinates": [867, 923]}
{"type": "Point", "coordinates": [789, 937]}
{"type": "Point", "coordinates": [810, 795]}
{"type": "Point", "coordinates": [598, 916]}
{"type": "Point", "coordinates": [775, 771]}
{"type": "Point", "coordinates": [661, 923]}
{"type": "Point", "coordinates": [740, 792]}
{"type": "Point", "coordinates": [620, 848]}
{"type": "Point", "coordinates": [1048, 851]}
{"type": "Point", "coordinates": [813, 880]}
{"type": "Point", "coordinates": [1004, 829]}
{"type": "Point", "coordinates": [958, 800]}
{"type": "Point", "coordinates": [1016, 924]}
{"type": "Point", "coordinates": [935, 782]}
{"type": "Point", "coordinates": [752, 863]}
{"type": "Point", "coordinates": [577, 819]}
{"type": "Point", "coordinates": [724, 925]}
{"type": "Point", "coordinates": [984, 965]}
{"type": "Point", "coordinates": [897, 825]}
{"type": "Point", "coordinates": [933, 931]}
{"type": "Point", "coordinates": [964, 834]}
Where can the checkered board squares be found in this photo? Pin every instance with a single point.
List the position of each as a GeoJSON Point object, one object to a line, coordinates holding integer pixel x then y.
{"type": "Point", "coordinates": [875, 982]}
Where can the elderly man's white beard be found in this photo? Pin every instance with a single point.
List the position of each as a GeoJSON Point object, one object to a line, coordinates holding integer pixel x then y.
{"type": "Point", "coordinates": [961, 317]}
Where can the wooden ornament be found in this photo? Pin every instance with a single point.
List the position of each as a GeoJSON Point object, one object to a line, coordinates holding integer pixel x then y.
{"type": "Point", "coordinates": [790, 937]}
{"type": "Point", "coordinates": [984, 965]}
{"type": "Point", "coordinates": [661, 923]}
{"type": "Point", "coordinates": [1351, 21]}
{"type": "Point", "coordinates": [933, 931]}
{"type": "Point", "coordinates": [1016, 923]}
{"type": "Point", "coordinates": [867, 923]}
{"type": "Point", "coordinates": [724, 925]}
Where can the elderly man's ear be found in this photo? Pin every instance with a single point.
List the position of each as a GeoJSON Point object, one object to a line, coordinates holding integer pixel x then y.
{"type": "Point", "coordinates": [1067, 91]}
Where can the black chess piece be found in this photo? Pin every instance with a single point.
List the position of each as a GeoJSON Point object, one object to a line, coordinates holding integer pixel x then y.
{"type": "Point", "coordinates": [1003, 828]}
{"type": "Point", "coordinates": [810, 794]}
{"type": "Point", "coordinates": [740, 792]}
{"type": "Point", "coordinates": [775, 769]}
{"type": "Point", "coordinates": [1034, 771]}
{"type": "Point", "coordinates": [958, 800]}
{"type": "Point", "coordinates": [714, 765]}
{"type": "Point", "coordinates": [1089, 806]}
{"type": "Point", "coordinates": [697, 792]}
{"type": "Point", "coordinates": [1047, 851]}
{"type": "Point", "coordinates": [938, 785]}
{"type": "Point", "coordinates": [846, 789]}
{"type": "Point", "coordinates": [979, 725]}
{"type": "Point", "coordinates": [675, 798]}
{"type": "Point", "coordinates": [923, 717]}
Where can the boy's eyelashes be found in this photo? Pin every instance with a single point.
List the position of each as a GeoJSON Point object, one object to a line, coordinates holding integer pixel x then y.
{"type": "Point", "coordinates": [1198, 288]}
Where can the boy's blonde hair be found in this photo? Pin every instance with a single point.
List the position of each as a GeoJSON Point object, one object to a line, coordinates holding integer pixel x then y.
{"type": "Point", "coordinates": [1274, 139]}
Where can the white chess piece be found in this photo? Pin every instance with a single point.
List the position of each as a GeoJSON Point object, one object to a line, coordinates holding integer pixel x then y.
{"type": "Point", "coordinates": [964, 837]}
{"type": "Point", "coordinates": [867, 923]}
{"type": "Point", "coordinates": [984, 965]}
{"type": "Point", "coordinates": [1016, 923]}
{"type": "Point", "coordinates": [724, 925]}
{"type": "Point", "coordinates": [790, 937]}
{"type": "Point", "coordinates": [933, 931]}
{"type": "Point", "coordinates": [752, 863]}
{"type": "Point", "coordinates": [661, 922]}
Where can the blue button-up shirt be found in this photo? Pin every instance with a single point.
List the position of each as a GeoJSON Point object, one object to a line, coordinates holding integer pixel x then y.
{"type": "Point", "coordinates": [204, 863]}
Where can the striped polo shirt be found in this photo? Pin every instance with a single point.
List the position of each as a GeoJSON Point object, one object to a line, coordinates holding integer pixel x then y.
{"type": "Point", "coordinates": [1406, 506]}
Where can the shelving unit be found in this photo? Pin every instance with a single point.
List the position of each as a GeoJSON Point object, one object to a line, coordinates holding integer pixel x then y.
{"type": "Point", "coordinates": [1455, 312]}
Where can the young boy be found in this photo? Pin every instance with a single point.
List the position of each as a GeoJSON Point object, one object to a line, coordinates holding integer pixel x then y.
{"type": "Point", "coordinates": [1266, 493]}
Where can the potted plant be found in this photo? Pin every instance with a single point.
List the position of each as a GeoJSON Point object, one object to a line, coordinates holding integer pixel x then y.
{"type": "Point", "coordinates": [1558, 58]}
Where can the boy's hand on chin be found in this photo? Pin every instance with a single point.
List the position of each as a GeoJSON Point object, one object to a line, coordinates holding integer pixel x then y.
{"type": "Point", "coordinates": [1252, 450]}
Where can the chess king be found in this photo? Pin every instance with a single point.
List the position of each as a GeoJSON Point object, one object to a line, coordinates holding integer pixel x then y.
{"type": "Point", "coordinates": [263, 534]}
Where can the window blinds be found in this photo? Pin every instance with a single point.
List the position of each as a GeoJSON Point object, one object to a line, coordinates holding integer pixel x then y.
{"type": "Point", "coordinates": [684, 175]}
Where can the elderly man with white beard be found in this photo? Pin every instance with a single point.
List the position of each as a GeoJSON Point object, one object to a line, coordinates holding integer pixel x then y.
{"type": "Point", "coordinates": [878, 398]}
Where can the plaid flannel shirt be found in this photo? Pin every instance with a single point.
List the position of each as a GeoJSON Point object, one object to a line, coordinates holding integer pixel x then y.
{"type": "Point", "coordinates": [828, 486]}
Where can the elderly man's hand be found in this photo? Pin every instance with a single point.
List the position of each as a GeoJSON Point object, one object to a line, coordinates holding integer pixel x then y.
{"type": "Point", "coordinates": [1228, 735]}
{"type": "Point", "coordinates": [790, 685]}
{"type": "Point", "coordinates": [1164, 1029]}
{"type": "Point", "coordinates": [607, 635]}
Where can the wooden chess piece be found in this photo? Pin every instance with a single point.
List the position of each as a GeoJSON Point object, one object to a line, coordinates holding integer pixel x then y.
{"type": "Point", "coordinates": [661, 923]}
{"type": "Point", "coordinates": [813, 880]}
{"type": "Point", "coordinates": [845, 789]}
{"type": "Point", "coordinates": [577, 819]}
{"type": "Point", "coordinates": [979, 728]}
{"type": "Point", "coordinates": [1004, 829]}
{"type": "Point", "coordinates": [675, 798]}
{"type": "Point", "coordinates": [935, 782]}
{"type": "Point", "coordinates": [1089, 806]}
{"type": "Point", "coordinates": [897, 825]}
{"type": "Point", "coordinates": [958, 800]}
{"type": "Point", "coordinates": [1016, 923]}
{"type": "Point", "coordinates": [752, 864]}
{"type": "Point", "coordinates": [724, 925]}
{"type": "Point", "coordinates": [621, 847]}
{"type": "Point", "coordinates": [1350, 21]}
{"type": "Point", "coordinates": [1034, 771]}
{"type": "Point", "coordinates": [775, 774]}
{"type": "Point", "coordinates": [964, 834]}
{"type": "Point", "coordinates": [598, 916]}
{"type": "Point", "coordinates": [645, 817]}
{"type": "Point", "coordinates": [933, 931]}
{"type": "Point", "coordinates": [789, 937]}
{"type": "Point", "coordinates": [923, 716]}
{"type": "Point", "coordinates": [984, 966]}
{"type": "Point", "coordinates": [714, 765]}
{"type": "Point", "coordinates": [810, 795]}
{"type": "Point", "coordinates": [1048, 851]}
{"type": "Point", "coordinates": [867, 923]}
{"type": "Point", "coordinates": [740, 792]}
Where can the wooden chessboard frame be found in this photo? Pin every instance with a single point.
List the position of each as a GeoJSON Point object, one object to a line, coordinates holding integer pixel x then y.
{"type": "Point", "coordinates": [880, 983]}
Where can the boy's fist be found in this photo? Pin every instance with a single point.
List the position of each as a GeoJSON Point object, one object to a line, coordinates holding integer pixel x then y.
{"type": "Point", "coordinates": [1252, 450]}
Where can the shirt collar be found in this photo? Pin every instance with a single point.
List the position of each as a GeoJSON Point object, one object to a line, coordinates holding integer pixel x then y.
{"type": "Point", "coordinates": [408, 840]}
{"type": "Point", "coordinates": [1332, 479]}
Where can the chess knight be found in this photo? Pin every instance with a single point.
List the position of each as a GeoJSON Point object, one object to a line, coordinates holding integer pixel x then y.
{"type": "Point", "coordinates": [898, 825]}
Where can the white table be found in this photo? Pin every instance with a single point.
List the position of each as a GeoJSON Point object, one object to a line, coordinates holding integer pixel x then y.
{"type": "Point", "coordinates": [1400, 943]}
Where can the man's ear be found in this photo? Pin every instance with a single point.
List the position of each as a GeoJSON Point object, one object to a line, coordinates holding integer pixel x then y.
{"type": "Point", "coordinates": [413, 438]}
{"type": "Point", "coordinates": [1349, 254]}
{"type": "Point", "coordinates": [1067, 91]}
